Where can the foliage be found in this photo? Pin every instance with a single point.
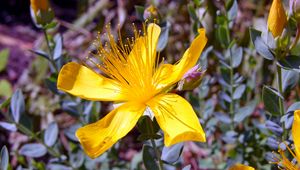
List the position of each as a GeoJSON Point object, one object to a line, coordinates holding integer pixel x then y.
{"type": "Point", "coordinates": [245, 102]}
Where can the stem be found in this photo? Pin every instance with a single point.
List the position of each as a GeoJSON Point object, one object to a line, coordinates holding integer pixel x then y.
{"type": "Point", "coordinates": [31, 134]}
{"type": "Point", "coordinates": [160, 163]}
{"type": "Point", "coordinates": [281, 105]}
{"type": "Point", "coordinates": [50, 50]}
{"type": "Point", "coordinates": [280, 90]}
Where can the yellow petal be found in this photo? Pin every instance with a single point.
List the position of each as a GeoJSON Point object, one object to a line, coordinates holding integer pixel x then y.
{"type": "Point", "coordinates": [145, 48]}
{"type": "Point", "coordinates": [82, 82]}
{"type": "Point", "coordinates": [176, 118]}
{"type": "Point", "coordinates": [240, 167]}
{"type": "Point", "coordinates": [277, 18]}
{"type": "Point", "coordinates": [167, 74]}
{"type": "Point", "coordinates": [98, 137]}
{"type": "Point", "coordinates": [296, 133]}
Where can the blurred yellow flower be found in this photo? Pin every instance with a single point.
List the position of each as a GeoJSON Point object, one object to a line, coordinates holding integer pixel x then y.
{"type": "Point", "coordinates": [37, 5]}
{"type": "Point", "coordinates": [283, 161]}
{"type": "Point", "coordinates": [241, 167]}
{"type": "Point", "coordinates": [134, 77]}
{"type": "Point", "coordinates": [277, 18]}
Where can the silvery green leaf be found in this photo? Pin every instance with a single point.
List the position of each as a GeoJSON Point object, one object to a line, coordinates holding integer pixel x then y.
{"type": "Point", "coordinates": [58, 46]}
{"type": "Point", "coordinates": [230, 137]}
{"type": "Point", "coordinates": [4, 158]}
{"type": "Point", "coordinates": [17, 105]}
{"type": "Point", "coordinates": [237, 57]}
{"type": "Point", "coordinates": [261, 47]}
{"type": "Point", "coordinates": [239, 91]}
{"type": "Point", "coordinates": [34, 150]}
{"type": "Point", "coordinates": [163, 37]}
{"type": "Point", "coordinates": [294, 106]}
{"type": "Point", "coordinates": [171, 154]}
{"type": "Point", "coordinates": [70, 132]}
{"type": "Point", "coordinates": [232, 13]}
{"type": "Point", "coordinates": [289, 79]}
{"type": "Point", "coordinates": [244, 112]}
{"type": "Point", "coordinates": [188, 167]}
{"type": "Point", "coordinates": [223, 117]}
{"type": "Point", "coordinates": [77, 159]}
{"type": "Point", "coordinates": [54, 166]}
{"type": "Point", "coordinates": [51, 134]}
{"type": "Point", "coordinates": [8, 126]}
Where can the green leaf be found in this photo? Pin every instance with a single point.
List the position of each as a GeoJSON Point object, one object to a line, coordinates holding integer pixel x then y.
{"type": "Point", "coordinates": [17, 105]}
{"type": "Point", "coordinates": [51, 134]}
{"type": "Point", "coordinates": [222, 35]}
{"type": "Point", "coordinates": [163, 37]}
{"type": "Point", "coordinates": [4, 158]}
{"type": "Point", "coordinates": [148, 158]}
{"type": "Point", "coordinates": [77, 159]}
{"type": "Point", "coordinates": [4, 54]}
{"type": "Point", "coordinates": [188, 167]}
{"type": "Point", "coordinates": [58, 46]}
{"type": "Point", "coordinates": [239, 91]}
{"type": "Point", "coordinates": [34, 150]}
{"type": "Point", "coordinates": [260, 46]}
{"type": "Point", "coordinates": [237, 57]}
{"type": "Point", "coordinates": [290, 79]}
{"type": "Point", "coordinates": [290, 62]}
{"type": "Point", "coordinates": [244, 112]}
{"type": "Point", "coordinates": [5, 88]}
{"type": "Point", "coordinates": [294, 106]}
{"type": "Point", "coordinates": [139, 12]}
{"type": "Point", "coordinates": [171, 154]}
{"type": "Point", "coordinates": [192, 12]}
{"type": "Point", "coordinates": [232, 13]}
{"type": "Point", "coordinates": [147, 132]}
{"type": "Point", "coordinates": [40, 53]}
{"type": "Point", "coordinates": [8, 126]}
{"type": "Point", "coordinates": [271, 99]}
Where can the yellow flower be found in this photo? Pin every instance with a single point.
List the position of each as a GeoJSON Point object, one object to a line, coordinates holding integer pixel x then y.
{"type": "Point", "coordinates": [134, 77]}
{"type": "Point", "coordinates": [37, 5]}
{"type": "Point", "coordinates": [277, 18]}
{"type": "Point", "coordinates": [283, 161]}
{"type": "Point", "coordinates": [241, 167]}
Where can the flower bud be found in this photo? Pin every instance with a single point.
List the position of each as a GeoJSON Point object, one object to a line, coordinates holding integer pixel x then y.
{"type": "Point", "coordinates": [42, 13]}
{"type": "Point", "coordinates": [277, 19]}
{"type": "Point", "coordinates": [191, 79]}
{"type": "Point", "coordinates": [151, 12]}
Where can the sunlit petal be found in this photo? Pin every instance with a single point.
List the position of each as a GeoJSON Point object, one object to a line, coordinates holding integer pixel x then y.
{"type": "Point", "coordinates": [176, 118]}
{"type": "Point", "coordinates": [82, 82]}
{"type": "Point", "coordinates": [167, 74]}
{"type": "Point", "coordinates": [277, 18]}
{"type": "Point", "coordinates": [296, 133]}
{"type": "Point", "coordinates": [98, 137]}
{"type": "Point", "coordinates": [240, 167]}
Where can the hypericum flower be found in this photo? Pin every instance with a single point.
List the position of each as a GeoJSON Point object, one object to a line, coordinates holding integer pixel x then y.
{"type": "Point", "coordinates": [134, 77]}
{"type": "Point", "coordinates": [241, 167]}
{"type": "Point", "coordinates": [277, 18]}
{"type": "Point", "coordinates": [283, 161]}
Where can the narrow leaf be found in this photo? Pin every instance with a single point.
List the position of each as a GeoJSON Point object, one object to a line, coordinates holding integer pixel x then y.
{"type": "Point", "coordinates": [34, 150]}
{"type": "Point", "coordinates": [17, 105]}
{"type": "Point", "coordinates": [4, 158]}
{"type": "Point", "coordinates": [51, 134]}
